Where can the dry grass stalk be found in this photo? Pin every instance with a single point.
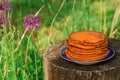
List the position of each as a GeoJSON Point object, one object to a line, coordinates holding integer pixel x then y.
{"type": "Point", "coordinates": [114, 22]}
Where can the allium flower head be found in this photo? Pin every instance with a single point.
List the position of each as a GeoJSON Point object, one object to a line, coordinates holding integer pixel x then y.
{"type": "Point", "coordinates": [31, 22]}
{"type": "Point", "coordinates": [4, 21]}
{"type": "Point", "coordinates": [1, 11]}
{"type": "Point", "coordinates": [1, 21]}
{"type": "Point", "coordinates": [5, 6]}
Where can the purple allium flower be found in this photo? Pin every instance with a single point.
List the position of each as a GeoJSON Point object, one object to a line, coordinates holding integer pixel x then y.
{"type": "Point", "coordinates": [1, 22]}
{"type": "Point", "coordinates": [5, 6]}
{"type": "Point", "coordinates": [31, 22]}
{"type": "Point", "coordinates": [4, 21]}
{"type": "Point", "coordinates": [2, 11]}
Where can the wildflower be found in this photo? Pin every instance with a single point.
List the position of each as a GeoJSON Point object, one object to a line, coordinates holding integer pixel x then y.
{"type": "Point", "coordinates": [4, 21]}
{"type": "Point", "coordinates": [1, 21]}
{"type": "Point", "coordinates": [5, 6]}
{"type": "Point", "coordinates": [1, 10]}
{"type": "Point", "coordinates": [31, 22]}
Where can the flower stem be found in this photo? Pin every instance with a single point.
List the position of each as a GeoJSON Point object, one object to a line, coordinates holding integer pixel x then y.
{"type": "Point", "coordinates": [29, 38]}
{"type": "Point", "coordinates": [20, 41]}
{"type": "Point", "coordinates": [26, 56]}
{"type": "Point", "coordinates": [39, 10]}
{"type": "Point", "coordinates": [36, 66]}
{"type": "Point", "coordinates": [54, 18]}
{"type": "Point", "coordinates": [57, 13]}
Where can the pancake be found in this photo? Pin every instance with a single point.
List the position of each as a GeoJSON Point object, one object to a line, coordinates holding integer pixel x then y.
{"type": "Point", "coordinates": [87, 46]}
{"type": "Point", "coordinates": [86, 57]}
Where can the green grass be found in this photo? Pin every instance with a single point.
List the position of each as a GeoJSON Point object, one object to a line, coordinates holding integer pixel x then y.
{"type": "Point", "coordinates": [58, 19]}
{"type": "Point", "coordinates": [25, 63]}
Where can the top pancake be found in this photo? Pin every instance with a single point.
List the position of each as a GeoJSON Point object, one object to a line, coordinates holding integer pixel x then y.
{"type": "Point", "coordinates": [89, 37]}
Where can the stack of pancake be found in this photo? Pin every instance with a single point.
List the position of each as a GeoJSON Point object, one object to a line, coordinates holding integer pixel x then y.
{"type": "Point", "coordinates": [87, 46]}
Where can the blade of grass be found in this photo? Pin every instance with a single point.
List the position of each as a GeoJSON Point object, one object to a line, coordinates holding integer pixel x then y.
{"type": "Point", "coordinates": [114, 21]}
{"type": "Point", "coordinates": [51, 26]}
{"type": "Point", "coordinates": [100, 16]}
{"type": "Point", "coordinates": [105, 20]}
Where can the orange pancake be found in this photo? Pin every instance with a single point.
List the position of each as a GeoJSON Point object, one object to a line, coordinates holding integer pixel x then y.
{"type": "Point", "coordinates": [87, 45]}
{"type": "Point", "coordinates": [86, 57]}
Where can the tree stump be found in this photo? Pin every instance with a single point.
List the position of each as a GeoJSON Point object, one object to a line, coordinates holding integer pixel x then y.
{"type": "Point", "coordinates": [56, 68]}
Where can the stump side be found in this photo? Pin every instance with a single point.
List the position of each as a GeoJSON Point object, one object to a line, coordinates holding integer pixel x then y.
{"type": "Point", "coordinates": [57, 68]}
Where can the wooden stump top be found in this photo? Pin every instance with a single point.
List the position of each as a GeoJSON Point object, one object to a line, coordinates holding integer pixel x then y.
{"type": "Point", "coordinates": [52, 54]}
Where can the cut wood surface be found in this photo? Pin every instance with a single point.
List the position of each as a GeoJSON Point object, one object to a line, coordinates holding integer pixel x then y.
{"type": "Point", "coordinates": [56, 68]}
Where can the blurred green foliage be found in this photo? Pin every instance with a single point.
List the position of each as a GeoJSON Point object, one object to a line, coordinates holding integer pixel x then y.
{"type": "Point", "coordinates": [74, 15]}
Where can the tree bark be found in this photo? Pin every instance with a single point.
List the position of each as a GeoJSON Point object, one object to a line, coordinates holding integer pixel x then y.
{"type": "Point", "coordinates": [56, 68]}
